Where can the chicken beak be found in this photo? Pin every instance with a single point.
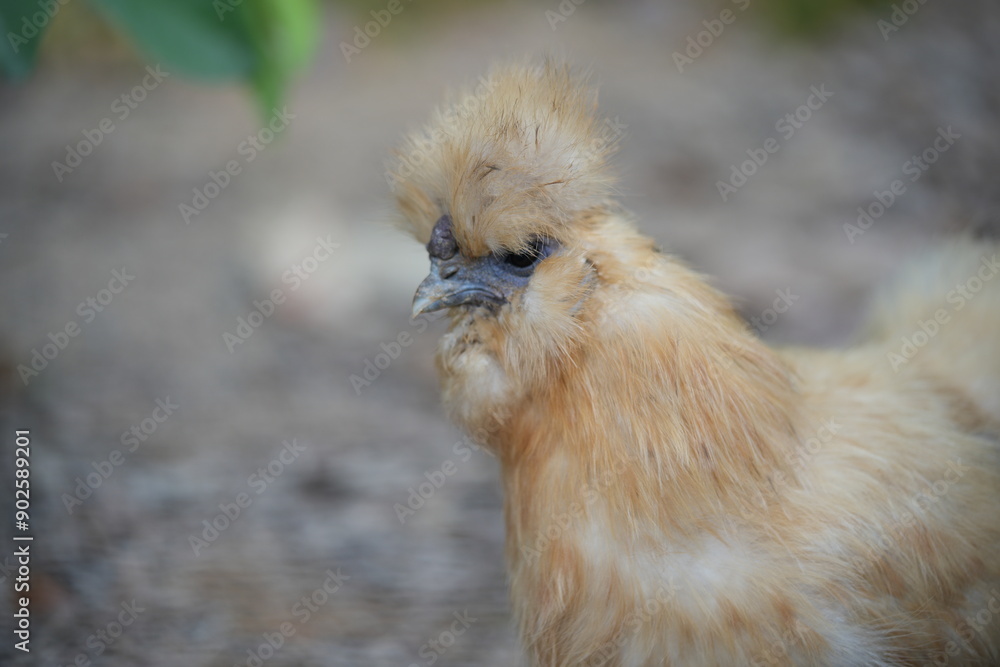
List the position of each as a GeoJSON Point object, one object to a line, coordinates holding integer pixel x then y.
{"type": "Point", "coordinates": [451, 284]}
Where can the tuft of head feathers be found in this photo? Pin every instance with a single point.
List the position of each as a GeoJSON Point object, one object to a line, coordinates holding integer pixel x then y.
{"type": "Point", "coordinates": [521, 155]}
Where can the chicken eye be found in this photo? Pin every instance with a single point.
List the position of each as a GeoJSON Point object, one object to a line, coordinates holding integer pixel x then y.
{"type": "Point", "coordinates": [522, 262]}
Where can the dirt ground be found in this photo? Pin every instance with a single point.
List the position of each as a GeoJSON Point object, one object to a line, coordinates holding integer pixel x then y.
{"type": "Point", "coordinates": [211, 416]}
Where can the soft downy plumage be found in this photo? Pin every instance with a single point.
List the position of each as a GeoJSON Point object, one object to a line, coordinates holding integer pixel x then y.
{"type": "Point", "coordinates": [676, 491]}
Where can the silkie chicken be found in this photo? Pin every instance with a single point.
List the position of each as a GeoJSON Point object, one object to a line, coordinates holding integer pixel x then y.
{"type": "Point", "coordinates": [676, 492]}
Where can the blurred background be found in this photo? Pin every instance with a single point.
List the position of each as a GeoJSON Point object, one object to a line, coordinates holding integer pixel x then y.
{"type": "Point", "coordinates": [234, 460]}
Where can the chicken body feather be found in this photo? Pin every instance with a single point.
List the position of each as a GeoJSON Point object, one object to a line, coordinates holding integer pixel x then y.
{"type": "Point", "coordinates": [676, 491]}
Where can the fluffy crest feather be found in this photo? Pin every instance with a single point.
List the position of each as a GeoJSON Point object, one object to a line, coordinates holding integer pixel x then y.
{"type": "Point", "coordinates": [521, 155]}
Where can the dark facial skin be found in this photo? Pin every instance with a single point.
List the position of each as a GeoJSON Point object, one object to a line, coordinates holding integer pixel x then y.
{"type": "Point", "coordinates": [487, 281]}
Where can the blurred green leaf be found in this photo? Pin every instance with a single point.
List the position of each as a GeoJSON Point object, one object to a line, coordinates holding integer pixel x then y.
{"type": "Point", "coordinates": [809, 18]}
{"type": "Point", "coordinates": [260, 42]}
{"type": "Point", "coordinates": [21, 34]}
{"type": "Point", "coordinates": [186, 35]}
{"type": "Point", "coordinates": [284, 34]}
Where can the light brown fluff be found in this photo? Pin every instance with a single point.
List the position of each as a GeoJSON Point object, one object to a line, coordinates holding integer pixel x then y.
{"type": "Point", "coordinates": [677, 492]}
